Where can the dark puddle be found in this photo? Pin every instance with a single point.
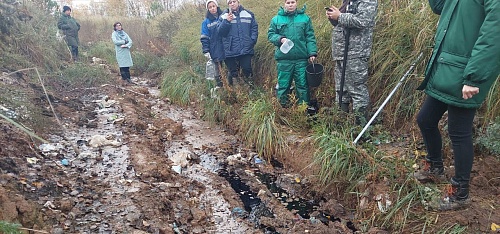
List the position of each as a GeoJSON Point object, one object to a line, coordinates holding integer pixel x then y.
{"type": "Point", "coordinates": [303, 207]}
{"type": "Point", "coordinates": [257, 209]}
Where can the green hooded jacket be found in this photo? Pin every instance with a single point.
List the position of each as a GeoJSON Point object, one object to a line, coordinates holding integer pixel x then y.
{"type": "Point", "coordinates": [466, 51]}
{"type": "Point", "coordinates": [70, 28]}
{"type": "Point", "coordinates": [296, 26]}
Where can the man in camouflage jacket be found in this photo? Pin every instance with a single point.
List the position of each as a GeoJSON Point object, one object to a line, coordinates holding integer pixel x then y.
{"type": "Point", "coordinates": [357, 16]}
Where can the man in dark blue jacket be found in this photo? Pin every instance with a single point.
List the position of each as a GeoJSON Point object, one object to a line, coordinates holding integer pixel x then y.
{"type": "Point", "coordinates": [239, 30]}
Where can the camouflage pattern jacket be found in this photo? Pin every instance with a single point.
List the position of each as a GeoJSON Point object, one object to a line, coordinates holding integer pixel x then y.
{"type": "Point", "coordinates": [360, 23]}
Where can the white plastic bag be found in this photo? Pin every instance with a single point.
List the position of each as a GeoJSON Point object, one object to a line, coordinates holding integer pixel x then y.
{"type": "Point", "coordinates": [210, 70]}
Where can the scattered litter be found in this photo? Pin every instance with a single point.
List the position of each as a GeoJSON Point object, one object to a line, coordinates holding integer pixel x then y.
{"type": "Point", "coordinates": [297, 179]}
{"type": "Point", "coordinates": [32, 160]}
{"type": "Point", "coordinates": [177, 168]}
{"type": "Point", "coordinates": [105, 103]}
{"type": "Point", "coordinates": [495, 227]}
{"type": "Point", "coordinates": [100, 140]}
{"type": "Point", "coordinates": [239, 212]}
{"type": "Point", "coordinates": [234, 159]}
{"type": "Point", "coordinates": [65, 162]}
{"type": "Point", "coordinates": [47, 147]}
{"type": "Point", "coordinates": [49, 205]}
{"type": "Point", "coordinates": [258, 160]}
{"type": "Point", "coordinates": [181, 158]}
{"type": "Point", "coordinates": [383, 202]}
{"type": "Point", "coordinates": [313, 220]}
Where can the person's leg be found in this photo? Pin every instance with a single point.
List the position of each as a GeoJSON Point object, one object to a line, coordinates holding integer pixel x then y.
{"type": "Point", "coordinates": [245, 62]}
{"type": "Point", "coordinates": [123, 72]}
{"type": "Point", "coordinates": [285, 71]}
{"type": "Point", "coordinates": [74, 52]}
{"type": "Point", "coordinates": [460, 122]}
{"type": "Point", "coordinates": [299, 76]}
{"type": "Point", "coordinates": [345, 96]}
{"type": "Point", "coordinates": [356, 79]}
{"type": "Point", "coordinates": [428, 118]}
{"type": "Point", "coordinates": [218, 81]}
{"type": "Point", "coordinates": [232, 68]}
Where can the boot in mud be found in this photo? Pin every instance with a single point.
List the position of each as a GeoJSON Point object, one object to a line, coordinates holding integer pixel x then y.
{"type": "Point", "coordinates": [430, 172]}
{"type": "Point", "coordinates": [456, 196]}
{"type": "Point", "coordinates": [344, 107]}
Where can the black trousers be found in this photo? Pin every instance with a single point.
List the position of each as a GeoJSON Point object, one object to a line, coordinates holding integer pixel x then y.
{"type": "Point", "coordinates": [125, 73]}
{"type": "Point", "coordinates": [460, 132]}
{"type": "Point", "coordinates": [243, 61]}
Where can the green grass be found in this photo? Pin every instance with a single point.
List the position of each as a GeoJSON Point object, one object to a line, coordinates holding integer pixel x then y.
{"type": "Point", "coordinates": [180, 88]}
{"type": "Point", "coordinates": [82, 76]}
{"type": "Point", "coordinates": [339, 160]}
{"type": "Point", "coordinates": [10, 228]}
{"type": "Point", "coordinates": [259, 128]}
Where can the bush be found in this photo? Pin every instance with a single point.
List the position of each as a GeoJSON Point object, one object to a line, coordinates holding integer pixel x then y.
{"type": "Point", "coordinates": [490, 140]}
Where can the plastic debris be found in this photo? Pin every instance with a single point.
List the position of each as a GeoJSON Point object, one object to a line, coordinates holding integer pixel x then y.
{"type": "Point", "coordinates": [239, 212]}
{"type": "Point", "coordinates": [177, 168]}
{"type": "Point", "coordinates": [32, 160]}
{"type": "Point", "coordinates": [383, 202]}
{"type": "Point", "coordinates": [47, 147]}
{"type": "Point", "coordinates": [100, 140]}
{"type": "Point", "coordinates": [258, 160]}
{"type": "Point", "coordinates": [297, 179]}
{"type": "Point", "coordinates": [65, 162]}
{"type": "Point", "coordinates": [495, 227]}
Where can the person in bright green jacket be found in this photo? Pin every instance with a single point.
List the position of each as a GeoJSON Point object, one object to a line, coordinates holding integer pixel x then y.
{"type": "Point", "coordinates": [292, 24]}
{"type": "Point", "coordinates": [463, 66]}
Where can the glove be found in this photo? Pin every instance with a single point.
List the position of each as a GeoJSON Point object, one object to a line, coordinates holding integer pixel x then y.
{"type": "Point", "coordinates": [126, 42]}
{"type": "Point", "coordinates": [207, 55]}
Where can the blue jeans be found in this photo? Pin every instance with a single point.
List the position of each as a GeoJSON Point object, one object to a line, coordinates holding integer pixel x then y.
{"type": "Point", "coordinates": [459, 130]}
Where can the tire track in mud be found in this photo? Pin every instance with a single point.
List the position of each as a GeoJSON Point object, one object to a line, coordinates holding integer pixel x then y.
{"type": "Point", "coordinates": [134, 176]}
{"type": "Point", "coordinates": [109, 194]}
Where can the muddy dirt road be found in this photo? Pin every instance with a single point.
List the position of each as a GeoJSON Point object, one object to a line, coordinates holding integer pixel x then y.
{"type": "Point", "coordinates": [127, 161]}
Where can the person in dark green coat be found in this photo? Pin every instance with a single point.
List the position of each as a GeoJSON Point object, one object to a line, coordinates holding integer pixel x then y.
{"type": "Point", "coordinates": [70, 28]}
{"type": "Point", "coordinates": [463, 66]}
{"type": "Point", "coordinates": [292, 24]}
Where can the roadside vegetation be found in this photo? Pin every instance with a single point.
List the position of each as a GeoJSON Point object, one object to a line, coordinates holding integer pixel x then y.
{"type": "Point", "coordinates": [167, 47]}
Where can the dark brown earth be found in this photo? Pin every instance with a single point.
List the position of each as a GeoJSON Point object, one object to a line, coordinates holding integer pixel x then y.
{"type": "Point", "coordinates": [148, 196]}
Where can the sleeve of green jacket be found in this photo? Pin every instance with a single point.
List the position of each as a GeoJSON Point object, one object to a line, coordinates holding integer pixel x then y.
{"type": "Point", "coordinates": [272, 33]}
{"type": "Point", "coordinates": [485, 57]}
{"type": "Point", "coordinates": [312, 50]}
{"type": "Point", "coordinates": [367, 10]}
{"type": "Point", "coordinates": [61, 24]}
{"type": "Point", "coordinates": [437, 5]}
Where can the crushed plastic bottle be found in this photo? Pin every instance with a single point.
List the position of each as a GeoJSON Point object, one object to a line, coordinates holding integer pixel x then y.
{"type": "Point", "coordinates": [286, 46]}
